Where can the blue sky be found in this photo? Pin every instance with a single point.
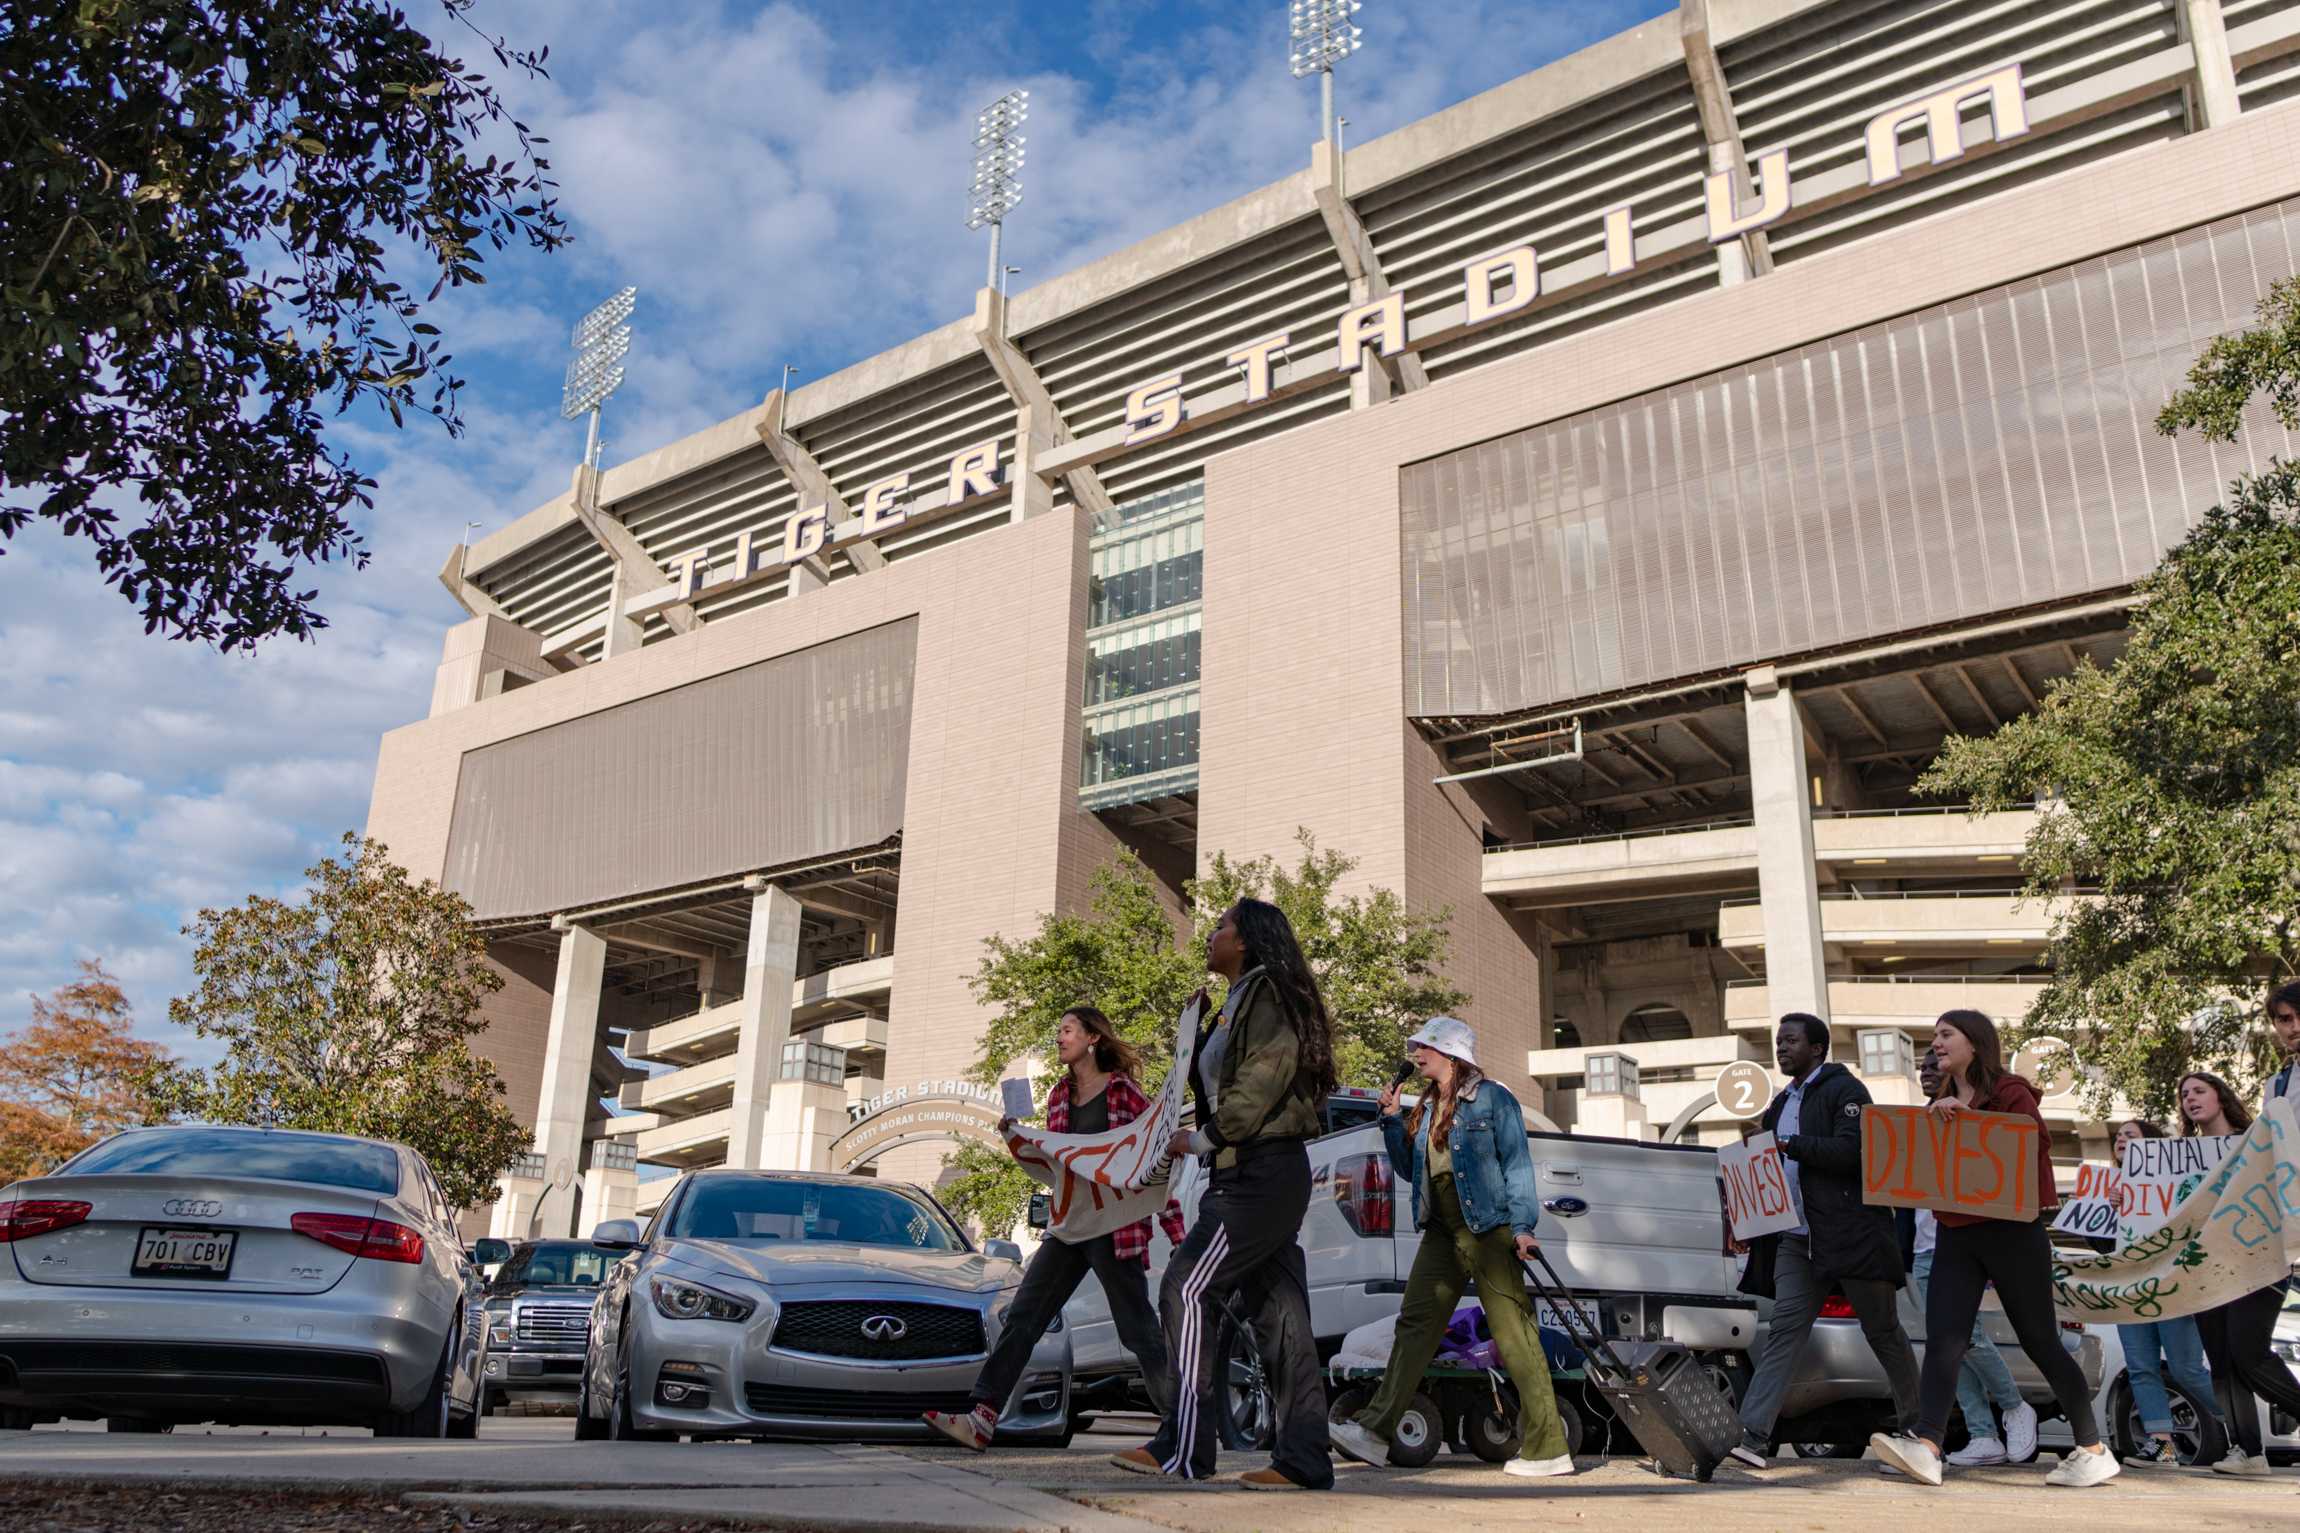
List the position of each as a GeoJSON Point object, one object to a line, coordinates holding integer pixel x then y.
{"type": "Point", "coordinates": [785, 183]}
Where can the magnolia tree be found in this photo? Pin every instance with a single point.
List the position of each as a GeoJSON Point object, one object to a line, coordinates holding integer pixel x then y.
{"type": "Point", "coordinates": [351, 1010]}
{"type": "Point", "coordinates": [2171, 779]}
{"type": "Point", "coordinates": [1378, 963]}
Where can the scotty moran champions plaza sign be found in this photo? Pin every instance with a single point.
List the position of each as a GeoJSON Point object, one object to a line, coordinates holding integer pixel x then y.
{"type": "Point", "coordinates": [1494, 287]}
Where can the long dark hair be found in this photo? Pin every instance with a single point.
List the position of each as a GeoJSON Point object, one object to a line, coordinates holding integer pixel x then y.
{"type": "Point", "coordinates": [1465, 1075]}
{"type": "Point", "coordinates": [1113, 1055]}
{"type": "Point", "coordinates": [1270, 946]}
{"type": "Point", "coordinates": [2231, 1106]}
{"type": "Point", "coordinates": [1988, 1066]}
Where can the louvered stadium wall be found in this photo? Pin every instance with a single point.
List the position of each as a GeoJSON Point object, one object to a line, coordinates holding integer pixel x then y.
{"type": "Point", "coordinates": [1807, 81]}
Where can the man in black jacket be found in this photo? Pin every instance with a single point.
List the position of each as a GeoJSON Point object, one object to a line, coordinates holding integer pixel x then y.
{"type": "Point", "coordinates": [1841, 1242]}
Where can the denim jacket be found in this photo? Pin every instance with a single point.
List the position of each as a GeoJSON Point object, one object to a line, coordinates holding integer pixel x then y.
{"type": "Point", "coordinates": [1492, 1167]}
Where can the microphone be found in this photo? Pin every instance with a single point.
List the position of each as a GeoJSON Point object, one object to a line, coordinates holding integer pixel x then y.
{"type": "Point", "coordinates": [1405, 1072]}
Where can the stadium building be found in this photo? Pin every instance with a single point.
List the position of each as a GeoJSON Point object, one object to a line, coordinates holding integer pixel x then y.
{"type": "Point", "coordinates": [1590, 507]}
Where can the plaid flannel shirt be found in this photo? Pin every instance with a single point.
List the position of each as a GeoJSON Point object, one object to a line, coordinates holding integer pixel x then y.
{"type": "Point", "coordinates": [1126, 1104]}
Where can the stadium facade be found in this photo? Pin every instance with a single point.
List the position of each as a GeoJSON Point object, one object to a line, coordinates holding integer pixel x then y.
{"type": "Point", "coordinates": [1589, 507]}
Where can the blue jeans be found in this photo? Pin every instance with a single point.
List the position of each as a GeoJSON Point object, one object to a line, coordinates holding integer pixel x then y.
{"type": "Point", "coordinates": [2182, 1353]}
{"type": "Point", "coordinates": [1984, 1380]}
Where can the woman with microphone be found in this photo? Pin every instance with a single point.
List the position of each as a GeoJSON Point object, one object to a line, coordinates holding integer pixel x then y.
{"type": "Point", "coordinates": [1463, 1149]}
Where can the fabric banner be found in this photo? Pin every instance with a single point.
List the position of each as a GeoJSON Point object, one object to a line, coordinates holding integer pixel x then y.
{"type": "Point", "coordinates": [2235, 1232]}
{"type": "Point", "coordinates": [1104, 1182]}
{"type": "Point", "coordinates": [1757, 1200]}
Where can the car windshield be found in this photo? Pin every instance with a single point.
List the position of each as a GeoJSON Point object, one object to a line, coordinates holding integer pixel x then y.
{"type": "Point", "coordinates": [582, 1265]}
{"type": "Point", "coordinates": [264, 1154]}
{"type": "Point", "coordinates": [767, 1208]}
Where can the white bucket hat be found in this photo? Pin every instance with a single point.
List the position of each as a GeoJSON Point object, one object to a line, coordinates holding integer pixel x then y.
{"type": "Point", "coordinates": [1449, 1036]}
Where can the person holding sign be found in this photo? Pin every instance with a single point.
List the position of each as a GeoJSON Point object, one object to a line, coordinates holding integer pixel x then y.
{"type": "Point", "coordinates": [1972, 1252]}
{"type": "Point", "coordinates": [1096, 1093]}
{"type": "Point", "coordinates": [1463, 1151]}
{"type": "Point", "coordinates": [2237, 1334]}
{"type": "Point", "coordinates": [1260, 1074]}
{"type": "Point", "coordinates": [1838, 1241]}
{"type": "Point", "coordinates": [2157, 1349]}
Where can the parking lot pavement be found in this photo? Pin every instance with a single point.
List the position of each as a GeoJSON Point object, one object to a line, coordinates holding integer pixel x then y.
{"type": "Point", "coordinates": [532, 1465]}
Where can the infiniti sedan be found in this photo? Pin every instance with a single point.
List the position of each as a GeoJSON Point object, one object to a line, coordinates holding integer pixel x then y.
{"type": "Point", "coordinates": [196, 1273]}
{"type": "Point", "coordinates": [784, 1304]}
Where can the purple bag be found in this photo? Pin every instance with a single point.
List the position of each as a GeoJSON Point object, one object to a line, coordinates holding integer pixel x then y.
{"type": "Point", "coordinates": [1468, 1341]}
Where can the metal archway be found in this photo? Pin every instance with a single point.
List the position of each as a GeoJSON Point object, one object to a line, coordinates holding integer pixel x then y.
{"type": "Point", "coordinates": [1684, 1119]}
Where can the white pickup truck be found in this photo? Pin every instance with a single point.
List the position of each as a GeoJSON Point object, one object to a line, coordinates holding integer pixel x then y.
{"type": "Point", "coordinates": [1635, 1229]}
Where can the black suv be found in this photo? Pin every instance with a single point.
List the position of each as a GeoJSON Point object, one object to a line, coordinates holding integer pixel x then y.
{"type": "Point", "coordinates": [539, 1316]}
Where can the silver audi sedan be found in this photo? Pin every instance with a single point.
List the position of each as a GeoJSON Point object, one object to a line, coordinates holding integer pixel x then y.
{"type": "Point", "coordinates": [784, 1304]}
{"type": "Point", "coordinates": [197, 1273]}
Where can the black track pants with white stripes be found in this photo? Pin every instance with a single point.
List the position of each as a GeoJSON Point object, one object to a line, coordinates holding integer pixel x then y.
{"type": "Point", "coordinates": [1245, 1253]}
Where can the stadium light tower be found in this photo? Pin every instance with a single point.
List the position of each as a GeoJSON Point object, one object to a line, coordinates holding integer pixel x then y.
{"type": "Point", "coordinates": [1322, 37]}
{"type": "Point", "coordinates": [997, 184]}
{"type": "Point", "coordinates": [602, 340]}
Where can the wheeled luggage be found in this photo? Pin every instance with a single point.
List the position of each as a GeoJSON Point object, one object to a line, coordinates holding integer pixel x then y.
{"type": "Point", "coordinates": [1666, 1399]}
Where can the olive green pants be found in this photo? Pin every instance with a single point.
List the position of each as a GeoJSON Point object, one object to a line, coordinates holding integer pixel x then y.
{"type": "Point", "coordinates": [1449, 1259]}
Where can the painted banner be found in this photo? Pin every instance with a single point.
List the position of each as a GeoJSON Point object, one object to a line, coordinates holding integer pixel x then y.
{"type": "Point", "coordinates": [2158, 1174]}
{"type": "Point", "coordinates": [2236, 1231]}
{"type": "Point", "coordinates": [1757, 1197]}
{"type": "Point", "coordinates": [2092, 1212]}
{"type": "Point", "coordinates": [1978, 1163]}
{"type": "Point", "coordinates": [1104, 1182]}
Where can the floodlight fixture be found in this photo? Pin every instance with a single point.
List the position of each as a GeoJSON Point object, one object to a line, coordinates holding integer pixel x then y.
{"type": "Point", "coordinates": [602, 339]}
{"type": "Point", "coordinates": [1322, 37]}
{"type": "Point", "coordinates": [998, 155]}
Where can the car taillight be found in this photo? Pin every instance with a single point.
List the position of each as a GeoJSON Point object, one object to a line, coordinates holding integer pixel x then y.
{"type": "Point", "coordinates": [361, 1236]}
{"type": "Point", "coordinates": [23, 1218]}
{"type": "Point", "coordinates": [1836, 1307]}
{"type": "Point", "coordinates": [1362, 1186]}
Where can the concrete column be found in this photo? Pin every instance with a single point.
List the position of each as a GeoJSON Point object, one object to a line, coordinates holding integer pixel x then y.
{"type": "Point", "coordinates": [2212, 87]}
{"type": "Point", "coordinates": [770, 968]}
{"type": "Point", "coordinates": [802, 1120]}
{"type": "Point", "coordinates": [566, 1096]}
{"type": "Point", "coordinates": [1780, 789]}
{"type": "Point", "coordinates": [623, 635]}
{"type": "Point", "coordinates": [508, 1218]}
{"type": "Point", "coordinates": [607, 1194]}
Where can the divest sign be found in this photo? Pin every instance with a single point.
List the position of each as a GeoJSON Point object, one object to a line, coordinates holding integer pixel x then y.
{"type": "Point", "coordinates": [1494, 287]}
{"type": "Point", "coordinates": [953, 1111]}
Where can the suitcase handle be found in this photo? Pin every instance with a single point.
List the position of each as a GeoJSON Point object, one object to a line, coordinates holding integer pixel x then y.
{"type": "Point", "coordinates": [1577, 1327]}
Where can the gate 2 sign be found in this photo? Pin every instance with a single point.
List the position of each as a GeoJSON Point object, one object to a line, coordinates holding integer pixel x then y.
{"type": "Point", "coordinates": [953, 1119]}
{"type": "Point", "coordinates": [1743, 1090]}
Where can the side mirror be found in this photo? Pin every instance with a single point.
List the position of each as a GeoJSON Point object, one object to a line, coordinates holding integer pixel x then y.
{"type": "Point", "coordinates": [1005, 1250]}
{"type": "Point", "coordinates": [1041, 1211]}
{"type": "Point", "coordinates": [616, 1235]}
{"type": "Point", "coordinates": [491, 1252]}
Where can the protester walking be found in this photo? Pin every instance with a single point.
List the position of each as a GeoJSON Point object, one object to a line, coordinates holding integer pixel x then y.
{"type": "Point", "coordinates": [1986, 1393]}
{"type": "Point", "coordinates": [1838, 1242]}
{"type": "Point", "coordinates": [1263, 1069]}
{"type": "Point", "coordinates": [2238, 1335]}
{"type": "Point", "coordinates": [1463, 1150]}
{"type": "Point", "coordinates": [2155, 1350]}
{"type": "Point", "coordinates": [1097, 1092]}
{"type": "Point", "coordinates": [1972, 1253]}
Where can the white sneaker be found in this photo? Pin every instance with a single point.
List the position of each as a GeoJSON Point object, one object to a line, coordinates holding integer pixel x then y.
{"type": "Point", "coordinates": [1912, 1456]}
{"type": "Point", "coordinates": [2080, 1468]}
{"type": "Point", "coordinates": [2020, 1433]}
{"type": "Point", "coordinates": [1359, 1443]}
{"type": "Point", "coordinates": [1539, 1468]}
{"type": "Point", "coordinates": [1980, 1451]}
{"type": "Point", "coordinates": [2252, 1468]}
{"type": "Point", "coordinates": [1748, 1457]}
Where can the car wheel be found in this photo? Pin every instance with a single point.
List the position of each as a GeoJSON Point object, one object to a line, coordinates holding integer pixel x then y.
{"type": "Point", "coordinates": [620, 1426]}
{"type": "Point", "coordinates": [1242, 1388]}
{"type": "Point", "coordinates": [588, 1427]}
{"type": "Point", "coordinates": [15, 1418]}
{"type": "Point", "coordinates": [430, 1416]}
{"type": "Point", "coordinates": [1493, 1434]}
{"type": "Point", "coordinates": [137, 1424]}
{"type": "Point", "coordinates": [1830, 1450]}
{"type": "Point", "coordinates": [2194, 1432]}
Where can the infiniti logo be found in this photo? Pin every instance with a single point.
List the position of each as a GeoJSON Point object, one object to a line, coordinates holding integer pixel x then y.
{"type": "Point", "coordinates": [885, 1328]}
{"type": "Point", "coordinates": [198, 1208]}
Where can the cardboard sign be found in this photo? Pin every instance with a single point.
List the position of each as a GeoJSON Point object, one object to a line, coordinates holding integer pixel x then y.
{"type": "Point", "coordinates": [1757, 1197]}
{"type": "Point", "coordinates": [2092, 1212]}
{"type": "Point", "coordinates": [2158, 1174]}
{"type": "Point", "coordinates": [1978, 1163]}
{"type": "Point", "coordinates": [1014, 1096]}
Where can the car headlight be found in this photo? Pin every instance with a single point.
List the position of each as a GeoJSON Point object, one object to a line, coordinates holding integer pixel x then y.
{"type": "Point", "coordinates": [501, 1327]}
{"type": "Point", "coordinates": [675, 1300]}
